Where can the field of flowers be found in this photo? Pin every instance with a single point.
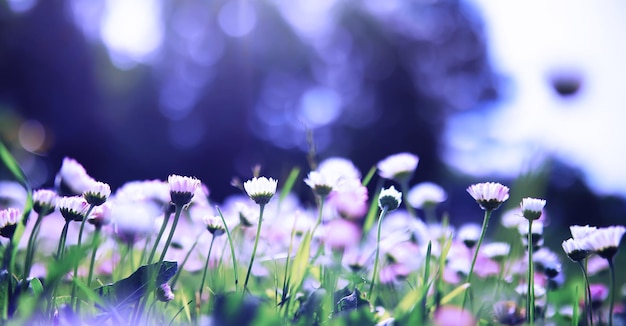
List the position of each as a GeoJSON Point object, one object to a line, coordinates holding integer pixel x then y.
{"type": "Point", "coordinates": [373, 251]}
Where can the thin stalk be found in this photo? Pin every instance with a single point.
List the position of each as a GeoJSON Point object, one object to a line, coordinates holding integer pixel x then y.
{"type": "Point", "coordinates": [73, 298]}
{"type": "Point", "coordinates": [612, 297]}
{"type": "Point", "coordinates": [179, 209]}
{"type": "Point", "coordinates": [480, 241]}
{"type": "Point", "coordinates": [166, 218]}
{"type": "Point", "coordinates": [206, 267]}
{"type": "Point", "coordinates": [588, 309]}
{"type": "Point", "coordinates": [319, 215]}
{"type": "Point", "coordinates": [30, 249]}
{"type": "Point", "coordinates": [256, 242]}
{"type": "Point", "coordinates": [61, 248]}
{"type": "Point", "coordinates": [376, 257]}
{"type": "Point", "coordinates": [232, 249]}
{"type": "Point", "coordinates": [531, 277]}
{"type": "Point", "coordinates": [94, 249]}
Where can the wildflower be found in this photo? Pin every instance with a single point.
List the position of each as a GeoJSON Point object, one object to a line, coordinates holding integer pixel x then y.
{"type": "Point", "coordinates": [599, 293]}
{"type": "Point", "coordinates": [496, 250]}
{"type": "Point", "coordinates": [581, 232]}
{"type": "Point", "coordinates": [489, 195]}
{"type": "Point", "coordinates": [536, 231]}
{"type": "Point", "coordinates": [605, 241]}
{"type": "Point", "coordinates": [508, 313]}
{"type": "Point", "coordinates": [44, 201]}
{"type": "Point", "coordinates": [97, 194]}
{"type": "Point", "coordinates": [8, 221]}
{"type": "Point", "coordinates": [214, 225]}
{"type": "Point", "coordinates": [469, 234]}
{"type": "Point", "coordinates": [341, 167]}
{"type": "Point", "coordinates": [73, 208]}
{"type": "Point", "coordinates": [452, 315]}
{"type": "Point", "coordinates": [576, 249]}
{"type": "Point", "coordinates": [182, 189]}
{"type": "Point", "coordinates": [399, 167]}
{"type": "Point", "coordinates": [340, 234]}
{"type": "Point", "coordinates": [426, 194]}
{"type": "Point", "coordinates": [532, 207]}
{"type": "Point", "coordinates": [349, 198]}
{"type": "Point", "coordinates": [261, 189]}
{"type": "Point", "coordinates": [389, 198]}
{"type": "Point", "coordinates": [547, 262]}
{"type": "Point", "coordinates": [100, 216]}
{"type": "Point", "coordinates": [73, 175]}
{"type": "Point", "coordinates": [164, 293]}
{"type": "Point", "coordinates": [321, 183]}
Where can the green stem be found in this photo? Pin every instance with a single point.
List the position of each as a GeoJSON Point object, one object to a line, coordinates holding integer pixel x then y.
{"type": "Point", "coordinates": [179, 209]}
{"type": "Point", "coordinates": [376, 257]}
{"type": "Point", "coordinates": [94, 249]}
{"type": "Point", "coordinates": [588, 309]}
{"type": "Point", "coordinates": [612, 297]}
{"type": "Point", "coordinates": [480, 241]}
{"type": "Point", "coordinates": [30, 249]}
{"type": "Point", "coordinates": [256, 242]}
{"type": "Point", "coordinates": [61, 248]}
{"type": "Point", "coordinates": [73, 298]}
{"type": "Point", "coordinates": [232, 249]}
{"type": "Point", "coordinates": [319, 215]}
{"type": "Point", "coordinates": [166, 218]}
{"type": "Point", "coordinates": [206, 267]}
{"type": "Point", "coordinates": [531, 277]}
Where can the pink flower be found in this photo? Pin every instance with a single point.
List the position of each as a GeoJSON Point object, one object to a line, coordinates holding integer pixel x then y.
{"type": "Point", "coordinates": [489, 195]}
{"type": "Point", "coordinates": [453, 315]}
{"type": "Point", "coordinates": [349, 198]}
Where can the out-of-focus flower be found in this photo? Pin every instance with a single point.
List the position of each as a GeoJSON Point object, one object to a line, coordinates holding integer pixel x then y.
{"type": "Point", "coordinates": [536, 231]}
{"type": "Point", "coordinates": [496, 250]}
{"type": "Point", "coordinates": [532, 207]}
{"type": "Point", "coordinates": [164, 293]}
{"type": "Point", "coordinates": [44, 201]}
{"type": "Point", "coordinates": [12, 194]}
{"type": "Point", "coordinates": [182, 189]}
{"type": "Point", "coordinates": [489, 195]}
{"type": "Point", "coordinates": [261, 190]}
{"type": "Point", "coordinates": [469, 234]}
{"type": "Point", "coordinates": [341, 167]}
{"type": "Point", "coordinates": [340, 234]}
{"type": "Point", "coordinates": [98, 193]}
{"type": "Point", "coordinates": [508, 313]}
{"type": "Point", "coordinates": [73, 208]}
{"type": "Point", "coordinates": [399, 167]}
{"type": "Point", "coordinates": [8, 221]}
{"type": "Point", "coordinates": [73, 175]}
{"type": "Point", "coordinates": [349, 198]}
{"type": "Point", "coordinates": [214, 225]}
{"type": "Point", "coordinates": [390, 199]}
{"type": "Point", "coordinates": [605, 241]}
{"type": "Point", "coordinates": [131, 222]}
{"type": "Point", "coordinates": [599, 294]}
{"type": "Point", "coordinates": [576, 249]}
{"type": "Point", "coordinates": [100, 216]}
{"type": "Point", "coordinates": [322, 183]}
{"type": "Point", "coordinates": [453, 315]}
{"type": "Point", "coordinates": [547, 262]}
{"type": "Point", "coordinates": [426, 194]}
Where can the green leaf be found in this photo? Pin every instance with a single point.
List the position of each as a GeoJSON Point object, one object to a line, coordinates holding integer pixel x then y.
{"type": "Point", "coordinates": [458, 290]}
{"type": "Point", "coordinates": [288, 184]}
{"type": "Point", "coordinates": [300, 264]}
{"type": "Point", "coordinates": [134, 287]}
{"type": "Point", "coordinates": [368, 176]}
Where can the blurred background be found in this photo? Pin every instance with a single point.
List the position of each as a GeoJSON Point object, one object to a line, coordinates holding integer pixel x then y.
{"type": "Point", "coordinates": [527, 94]}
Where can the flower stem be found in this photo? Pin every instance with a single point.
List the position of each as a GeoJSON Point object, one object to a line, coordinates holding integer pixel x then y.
{"type": "Point", "coordinates": [232, 249]}
{"type": "Point", "coordinates": [531, 278]}
{"type": "Point", "coordinates": [612, 297]}
{"type": "Point", "coordinates": [375, 272]}
{"type": "Point", "coordinates": [61, 248]}
{"type": "Point", "coordinates": [94, 249]}
{"type": "Point", "coordinates": [166, 218]}
{"type": "Point", "coordinates": [319, 216]}
{"type": "Point", "coordinates": [30, 249]}
{"type": "Point", "coordinates": [206, 267]}
{"type": "Point", "coordinates": [588, 309]}
{"type": "Point", "coordinates": [73, 298]}
{"type": "Point", "coordinates": [256, 242]}
{"type": "Point", "coordinates": [179, 209]}
{"type": "Point", "coordinates": [480, 241]}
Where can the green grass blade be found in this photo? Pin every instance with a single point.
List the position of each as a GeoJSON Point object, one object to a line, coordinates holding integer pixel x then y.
{"type": "Point", "coordinates": [232, 248]}
{"type": "Point", "coordinates": [288, 184]}
{"type": "Point", "coordinates": [454, 293]}
{"type": "Point", "coordinates": [368, 176]}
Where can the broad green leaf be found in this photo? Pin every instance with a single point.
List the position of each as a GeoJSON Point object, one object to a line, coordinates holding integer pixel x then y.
{"type": "Point", "coordinates": [300, 263]}
{"type": "Point", "coordinates": [134, 287]}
